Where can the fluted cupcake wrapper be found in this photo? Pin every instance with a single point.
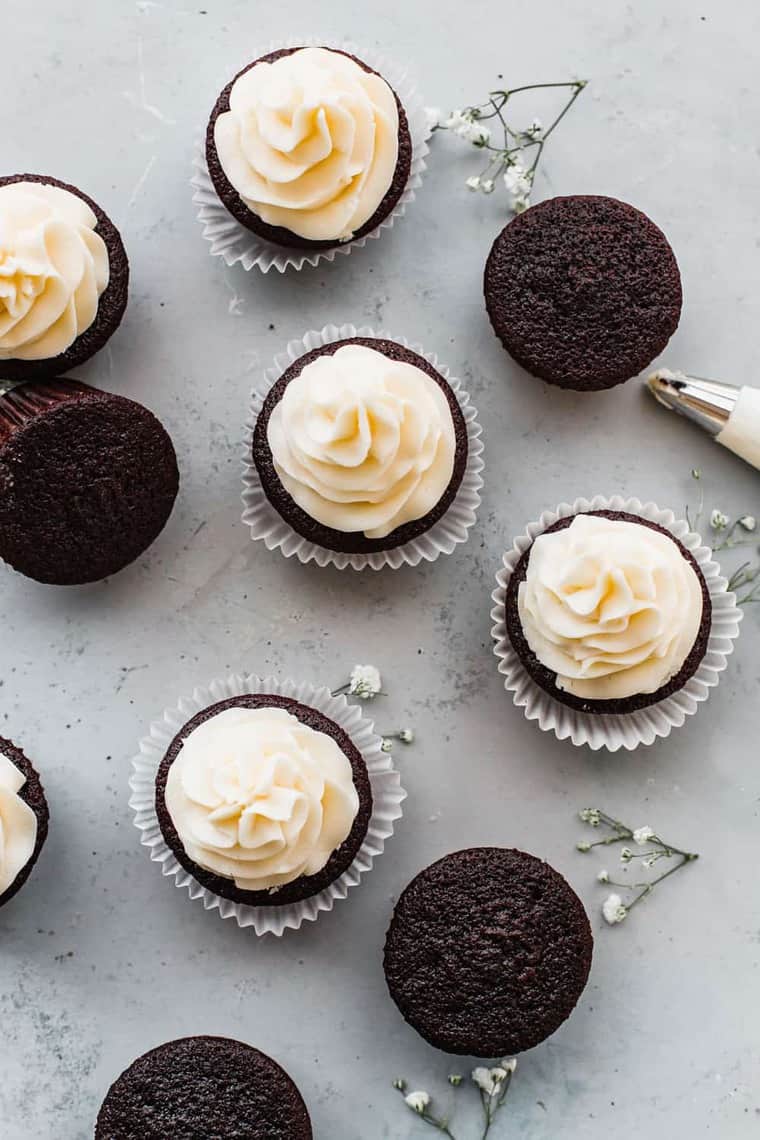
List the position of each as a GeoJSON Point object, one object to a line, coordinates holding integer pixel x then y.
{"type": "Point", "coordinates": [387, 796]}
{"type": "Point", "coordinates": [267, 524]}
{"type": "Point", "coordinates": [237, 245]}
{"type": "Point", "coordinates": [618, 730]}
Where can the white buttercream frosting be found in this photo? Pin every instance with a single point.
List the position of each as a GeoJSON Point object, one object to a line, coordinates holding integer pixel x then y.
{"type": "Point", "coordinates": [53, 270]}
{"type": "Point", "coordinates": [362, 442]}
{"type": "Point", "coordinates": [310, 142]}
{"type": "Point", "coordinates": [18, 824]}
{"type": "Point", "coordinates": [611, 607]}
{"type": "Point", "coordinates": [260, 798]}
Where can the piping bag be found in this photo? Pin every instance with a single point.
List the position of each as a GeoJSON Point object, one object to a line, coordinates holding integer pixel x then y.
{"type": "Point", "coordinates": [730, 414]}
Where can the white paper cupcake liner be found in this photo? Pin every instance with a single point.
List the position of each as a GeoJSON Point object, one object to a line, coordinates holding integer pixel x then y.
{"type": "Point", "coordinates": [387, 796]}
{"type": "Point", "coordinates": [237, 245]}
{"type": "Point", "coordinates": [268, 525]}
{"type": "Point", "coordinates": [610, 730]}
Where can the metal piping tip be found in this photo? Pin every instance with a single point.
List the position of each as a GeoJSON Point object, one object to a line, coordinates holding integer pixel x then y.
{"type": "Point", "coordinates": [708, 403]}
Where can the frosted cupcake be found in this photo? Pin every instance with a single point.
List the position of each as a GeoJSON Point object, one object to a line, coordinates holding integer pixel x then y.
{"type": "Point", "coordinates": [608, 612]}
{"type": "Point", "coordinates": [309, 148]}
{"type": "Point", "coordinates": [361, 445]}
{"type": "Point", "coordinates": [23, 819]}
{"type": "Point", "coordinates": [263, 800]}
{"type": "Point", "coordinates": [63, 277]}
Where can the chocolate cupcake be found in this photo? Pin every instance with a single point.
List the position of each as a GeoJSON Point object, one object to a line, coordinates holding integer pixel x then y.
{"type": "Point", "coordinates": [263, 800]}
{"type": "Point", "coordinates": [203, 1088]}
{"type": "Point", "coordinates": [488, 952]}
{"type": "Point", "coordinates": [23, 819]}
{"type": "Point", "coordinates": [308, 148]}
{"type": "Point", "coordinates": [583, 291]}
{"type": "Point", "coordinates": [608, 612]}
{"type": "Point", "coordinates": [361, 446]}
{"type": "Point", "coordinates": [63, 277]}
{"type": "Point", "coordinates": [87, 481]}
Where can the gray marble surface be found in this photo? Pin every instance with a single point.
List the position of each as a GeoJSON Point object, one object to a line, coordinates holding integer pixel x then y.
{"type": "Point", "coordinates": [100, 958]}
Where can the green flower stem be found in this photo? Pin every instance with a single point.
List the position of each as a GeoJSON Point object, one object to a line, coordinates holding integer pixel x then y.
{"type": "Point", "coordinates": [686, 857]}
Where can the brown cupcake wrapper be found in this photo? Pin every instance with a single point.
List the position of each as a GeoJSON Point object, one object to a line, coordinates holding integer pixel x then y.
{"type": "Point", "coordinates": [21, 402]}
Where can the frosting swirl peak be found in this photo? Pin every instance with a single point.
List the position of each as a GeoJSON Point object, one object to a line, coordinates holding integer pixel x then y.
{"type": "Point", "coordinates": [54, 268]}
{"type": "Point", "coordinates": [310, 142]}
{"type": "Point", "coordinates": [362, 442]}
{"type": "Point", "coordinates": [610, 606]}
{"type": "Point", "coordinates": [258, 797]}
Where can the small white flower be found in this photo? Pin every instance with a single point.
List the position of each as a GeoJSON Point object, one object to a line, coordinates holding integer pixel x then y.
{"type": "Point", "coordinates": [406, 736]}
{"type": "Point", "coordinates": [650, 862]}
{"type": "Point", "coordinates": [534, 130]}
{"type": "Point", "coordinates": [520, 205]}
{"type": "Point", "coordinates": [485, 1079]}
{"type": "Point", "coordinates": [480, 135]}
{"type": "Point", "coordinates": [518, 180]}
{"type": "Point", "coordinates": [473, 183]}
{"type": "Point", "coordinates": [455, 1079]}
{"type": "Point", "coordinates": [510, 1064]}
{"type": "Point", "coordinates": [387, 745]}
{"type": "Point", "coordinates": [719, 520]}
{"type": "Point", "coordinates": [399, 1084]}
{"type": "Point", "coordinates": [433, 117]}
{"type": "Point", "coordinates": [487, 185]}
{"type": "Point", "coordinates": [696, 473]}
{"type": "Point", "coordinates": [590, 816]}
{"type": "Point", "coordinates": [748, 522]}
{"type": "Point", "coordinates": [418, 1101]}
{"type": "Point", "coordinates": [366, 682]}
{"type": "Point", "coordinates": [642, 835]}
{"type": "Point", "coordinates": [603, 877]}
{"type": "Point", "coordinates": [613, 909]}
{"type": "Point", "coordinates": [626, 855]}
{"type": "Point", "coordinates": [583, 846]}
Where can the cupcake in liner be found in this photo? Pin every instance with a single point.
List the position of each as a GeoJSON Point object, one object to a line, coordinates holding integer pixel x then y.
{"type": "Point", "coordinates": [235, 243]}
{"type": "Point", "coordinates": [67, 523]}
{"type": "Point", "coordinates": [444, 532]}
{"type": "Point", "coordinates": [382, 803]}
{"type": "Point", "coordinates": [643, 725]}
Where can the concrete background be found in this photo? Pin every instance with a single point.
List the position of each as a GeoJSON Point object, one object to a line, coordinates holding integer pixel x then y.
{"type": "Point", "coordinates": [101, 959]}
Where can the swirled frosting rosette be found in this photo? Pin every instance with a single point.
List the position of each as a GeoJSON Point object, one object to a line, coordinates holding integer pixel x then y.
{"type": "Point", "coordinates": [63, 277]}
{"type": "Point", "coordinates": [265, 799]}
{"type": "Point", "coordinates": [310, 151]}
{"type": "Point", "coordinates": [361, 451]}
{"type": "Point", "coordinates": [611, 622]}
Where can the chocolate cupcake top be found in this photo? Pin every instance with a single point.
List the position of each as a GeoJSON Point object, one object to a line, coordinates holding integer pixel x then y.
{"type": "Point", "coordinates": [310, 142]}
{"type": "Point", "coordinates": [583, 291]}
{"type": "Point", "coordinates": [260, 798]}
{"type": "Point", "coordinates": [64, 277]}
{"type": "Point", "coordinates": [87, 481]}
{"type": "Point", "coordinates": [488, 952]}
{"type": "Point", "coordinates": [23, 819]}
{"type": "Point", "coordinates": [203, 1088]}
{"type": "Point", "coordinates": [610, 607]}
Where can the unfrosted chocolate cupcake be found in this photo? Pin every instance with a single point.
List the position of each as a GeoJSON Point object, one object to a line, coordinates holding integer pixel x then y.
{"type": "Point", "coordinates": [23, 819]}
{"type": "Point", "coordinates": [67, 291]}
{"type": "Point", "coordinates": [203, 1088]}
{"type": "Point", "coordinates": [87, 481]}
{"type": "Point", "coordinates": [608, 612]}
{"type": "Point", "coordinates": [488, 952]}
{"type": "Point", "coordinates": [361, 445]}
{"type": "Point", "coordinates": [583, 291]}
{"type": "Point", "coordinates": [309, 147]}
{"type": "Point", "coordinates": [263, 800]}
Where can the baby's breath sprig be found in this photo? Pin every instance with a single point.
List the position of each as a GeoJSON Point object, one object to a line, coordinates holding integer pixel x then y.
{"type": "Point", "coordinates": [365, 683]}
{"type": "Point", "coordinates": [614, 909]}
{"type": "Point", "coordinates": [513, 158]}
{"type": "Point", "coordinates": [492, 1085]}
{"type": "Point", "coordinates": [727, 533]}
